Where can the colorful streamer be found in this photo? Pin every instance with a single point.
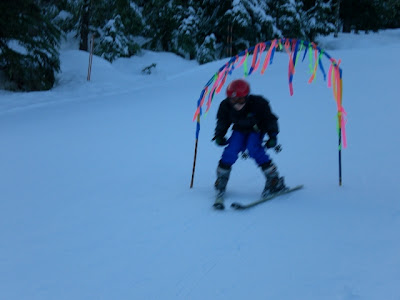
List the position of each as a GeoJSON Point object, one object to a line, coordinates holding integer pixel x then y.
{"type": "Point", "coordinates": [268, 57]}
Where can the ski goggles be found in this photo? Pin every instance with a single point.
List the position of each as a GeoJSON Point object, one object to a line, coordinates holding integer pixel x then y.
{"type": "Point", "coordinates": [237, 100]}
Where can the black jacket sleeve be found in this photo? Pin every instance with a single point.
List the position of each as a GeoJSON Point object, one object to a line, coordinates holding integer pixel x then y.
{"type": "Point", "coordinates": [268, 121]}
{"type": "Point", "coordinates": [223, 119]}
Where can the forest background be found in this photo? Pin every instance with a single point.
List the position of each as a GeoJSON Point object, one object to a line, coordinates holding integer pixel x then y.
{"type": "Point", "coordinates": [31, 31]}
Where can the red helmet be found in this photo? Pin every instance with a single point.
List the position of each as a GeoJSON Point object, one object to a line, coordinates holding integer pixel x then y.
{"type": "Point", "coordinates": [238, 88]}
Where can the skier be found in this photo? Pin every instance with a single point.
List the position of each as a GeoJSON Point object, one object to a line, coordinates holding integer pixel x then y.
{"type": "Point", "coordinates": [252, 118]}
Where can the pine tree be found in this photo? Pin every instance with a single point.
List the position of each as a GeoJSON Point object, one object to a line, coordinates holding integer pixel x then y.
{"type": "Point", "coordinates": [188, 31]}
{"type": "Point", "coordinates": [162, 20]}
{"type": "Point", "coordinates": [287, 15]}
{"type": "Point", "coordinates": [115, 32]}
{"type": "Point", "coordinates": [113, 23]}
{"type": "Point", "coordinates": [208, 50]}
{"type": "Point", "coordinates": [319, 20]}
{"type": "Point", "coordinates": [131, 16]}
{"type": "Point", "coordinates": [390, 11]}
{"type": "Point", "coordinates": [214, 28]}
{"type": "Point", "coordinates": [241, 22]}
{"type": "Point", "coordinates": [251, 23]}
{"type": "Point", "coordinates": [229, 27]}
{"type": "Point", "coordinates": [29, 45]}
{"type": "Point", "coordinates": [263, 22]}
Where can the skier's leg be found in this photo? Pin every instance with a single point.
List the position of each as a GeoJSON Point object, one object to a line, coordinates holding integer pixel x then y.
{"type": "Point", "coordinates": [273, 183]}
{"type": "Point", "coordinates": [229, 157]}
{"type": "Point", "coordinates": [256, 150]}
{"type": "Point", "coordinates": [237, 143]}
{"type": "Point", "coordinates": [223, 173]}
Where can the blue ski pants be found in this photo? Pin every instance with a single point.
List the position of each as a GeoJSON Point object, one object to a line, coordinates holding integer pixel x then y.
{"type": "Point", "coordinates": [239, 142]}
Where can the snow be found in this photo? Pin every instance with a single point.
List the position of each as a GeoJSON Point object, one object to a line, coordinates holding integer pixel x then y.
{"type": "Point", "coordinates": [95, 198]}
{"type": "Point", "coordinates": [63, 15]}
{"type": "Point", "coordinates": [17, 47]}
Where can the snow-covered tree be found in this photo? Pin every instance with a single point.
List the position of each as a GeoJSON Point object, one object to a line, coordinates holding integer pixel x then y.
{"type": "Point", "coordinates": [263, 27]}
{"type": "Point", "coordinates": [114, 24]}
{"type": "Point", "coordinates": [319, 20]}
{"type": "Point", "coordinates": [207, 50]}
{"type": "Point", "coordinates": [287, 15]}
{"type": "Point", "coordinates": [162, 20]}
{"type": "Point", "coordinates": [29, 44]}
{"type": "Point", "coordinates": [251, 23]}
{"type": "Point", "coordinates": [241, 22]}
{"type": "Point", "coordinates": [187, 33]}
{"type": "Point", "coordinates": [213, 26]}
{"type": "Point", "coordinates": [236, 24]}
{"type": "Point", "coordinates": [116, 29]}
{"type": "Point", "coordinates": [112, 42]}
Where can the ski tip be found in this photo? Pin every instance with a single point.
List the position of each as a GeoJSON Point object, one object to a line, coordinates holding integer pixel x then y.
{"type": "Point", "coordinates": [237, 206]}
{"type": "Point", "coordinates": [297, 187]}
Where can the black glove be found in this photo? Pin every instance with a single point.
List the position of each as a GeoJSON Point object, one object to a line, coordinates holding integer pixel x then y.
{"type": "Point", "coordinates": [271, 143]}
{"type": "Point", "coordinates": [220, 141]}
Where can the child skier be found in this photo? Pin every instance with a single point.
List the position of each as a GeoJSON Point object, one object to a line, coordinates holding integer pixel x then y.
{"type": "Point", "coordinates": [252, 118]}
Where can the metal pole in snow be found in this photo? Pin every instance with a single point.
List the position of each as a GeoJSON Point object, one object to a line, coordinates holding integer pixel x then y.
{"type": "Point", "coordinates": [194, 163]}
{"type": "Point", "coordinates": [195, 150]}
{"type": "Point", "coordinates": [340, 151]}
{"type": "Point", "coordinates": [90, 57]}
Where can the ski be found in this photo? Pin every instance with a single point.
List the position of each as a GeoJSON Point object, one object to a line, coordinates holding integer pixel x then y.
{"type": "Point", "coordinates": [237, 205]}
{"type": "Point", "coordinates": [219, 201]}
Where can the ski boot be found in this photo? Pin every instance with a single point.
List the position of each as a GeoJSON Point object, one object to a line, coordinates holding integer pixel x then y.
{"type": "Point", "coordinates": [220, 186]}
{"type": "Point", "coordinates": [274, 183]}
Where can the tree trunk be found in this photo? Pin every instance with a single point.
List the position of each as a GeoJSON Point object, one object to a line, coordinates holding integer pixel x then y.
{"type": "Point", "coordinates": [337, 17]}
{"type": "Point", "coordinates": [347, 25]}
{"type": "Point", "coordinates": [84, 30]}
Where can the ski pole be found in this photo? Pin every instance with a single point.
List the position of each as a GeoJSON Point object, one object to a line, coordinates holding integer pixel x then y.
{"type": "Point", "coordinates": [340, 151]}
{"type": "Point", "coordinates": [194, 162]}
{"type": "Point", "coordinates": [195, 149]}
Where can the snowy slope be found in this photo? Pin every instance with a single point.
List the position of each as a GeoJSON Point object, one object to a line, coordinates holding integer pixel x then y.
{"type": "Point", "coordinates": [95, 199]}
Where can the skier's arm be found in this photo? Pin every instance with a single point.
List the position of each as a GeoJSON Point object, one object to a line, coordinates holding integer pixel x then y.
{"type": "Point", "coordinates": [223, 121]}
{"type": "Point", "coordinates": [270, 121]}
